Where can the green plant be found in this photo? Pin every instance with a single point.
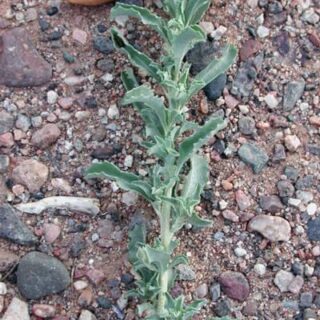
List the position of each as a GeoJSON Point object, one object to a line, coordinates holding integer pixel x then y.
{"type": "Point", "coordinates": [175, 183]}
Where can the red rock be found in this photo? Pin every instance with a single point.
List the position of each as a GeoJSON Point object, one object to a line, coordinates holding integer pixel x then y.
{"type": "Point", "coordinates": [230, 215]}
{"type": "Point", "coordinates": [234, 285]}
{"type": "Point", "coordinates": [231, 102]}
{"type": "Point", "coordinates": [46, 136]}
{"type": "Point", "coordinates": [31, 173]}
{"type": "Point", "coordinates": [86, 297]}
{"type": "Point", "coordinates": [51, 232]}
{"type": "Point", "coordinates": [95, 276]}
{"type": "Point", "coordinates": [315, 120]}
{"type": "Point", "coordinates": [6, 140]}
{"type": "Point", "coordinates": [314, 39]}
{"type": "Point", "coordinates": [79, 36]}
{"type": "Point", "coordinates": [243, 200]}
{"type": "Point", "coordinates": [20, 63]}
{"type": "Point", "coordinates": [249, 48]}
{"type": "Point", "coordinates": [43, 311]}
{"type": "Point", "coordinates": [66, 102]}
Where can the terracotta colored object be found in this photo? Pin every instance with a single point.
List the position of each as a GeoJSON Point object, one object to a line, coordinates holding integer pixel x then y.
{"type": "Point", "coordinates": [89, 2]}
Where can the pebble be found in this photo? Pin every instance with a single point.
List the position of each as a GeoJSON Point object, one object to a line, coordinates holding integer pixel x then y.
{"type": "Point", "coordinates": [285, 188]}
{"type": "Point", "coordinates": [215, 88]}
{"type": "Point", "coordinates": [4, 163]}
{"type": "Point", "coordinates": [271, 101]}
{"type": "Point", "coordinates": [185, 272]}
{"type": "Point", "coordinates": [263, 32]}
{"type": "Point", "coordinates": [52, 97]}
{"type": "Point", "coordinates": [249, 48]}
{"type": "Point", "coordinates": [260, 269]}
{"type": "Point", "coordinates": [17, 310]}
{"type": "Point", "coordinates": [312, 209]}
{"type": "Point", "coordinates": [313, 229]}
{"type": "Point", "coordinates": [7, 260]}
{"type": "Point", "coordinates": [222, 308]}
{"type": "Point", "coordinates": [113, 112]}
{"type": "Point", "coordinates": [306, 299]}
{"type": "Point", "coordinates": [272, 228]}
{"type": "Point", "coordinates": [247, 125]}
{"type": "Point", "coordinates": [292, 93]}
{"type": "Point", "coordinates": [292, 142]}
{"type": "Point", "coordinates": [23, 122]}
{"type": "Point", "coordinates": [20, 63]}
{"type": "Point", "coordinates": [128, 161]}
{"type": "Point", "coordinates": [201, 291]}
{"type": "Point", "coordinates": [234, 285]}
{"type": "Point", "coordinates": [283, 279]}
{"type": "Point", "coordinates": [271, 203]}
{"type": "Point", "coordinates": [13, 229]}
{"type": "Point", "coordinates": [129, 198]}
{"type": "Point", "coordinates": [43, 311]}
{"type": "Point", "coordinates": [6, 121]}
{"type": "Point", "coordinates": [240, 252]}
{"type": "Point", "coordinates": [296, 285]}
{"type": "Point", "coordinates": [103, 44]}
{"type": "Point", "coordinates": [31, 173]}
{"type": "Point", "coordinates": [215, 292]}
{"type": "Point", "coordinates": [51, 232]}
{"type": "Point", "coordinates": [80, 285]}
{"type": "Point", "coordinates": [3, 289]}
{"type": "Point", "coordinates": [87, 315]}
{"type": "Point", "coordinates": [310, 16]}
{"type": "Point", "coordinates": [46, 136]}
{"type": "Point", "coordinates": [79, 36]}
{"type": "Point", "coordinates": [40, 275]}
{"type": "Point", "coordinates": [254, 156]}
{"type": "Point", "coordinates": [230, 215]}
{"type": "Point", "coordinates": [104, 302]}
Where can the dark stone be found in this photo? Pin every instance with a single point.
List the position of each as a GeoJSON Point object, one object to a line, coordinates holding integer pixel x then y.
{"type": "Point", "coordinates": [282, 43]}
{"type": "Point", "coordinates": [215, 292]}
{"type": "Point", "coordinates": [91, 102]}
{"type": "Point", "coordinates": [219, 146]}
{"type": "Point", "coordinates": [55, 35]}
{"type": "Point", "coordinates": [313, 229]}
{"type": "Point", "coordinates": [247, 125]}
{"type": "Point", "coordinates": [253, 155]}
{"type": "Point", "coordinates": [104, 302]}
{"type": "Point", "coordinates": [314, 149]}
{"type": "Point", "coordinates": [222, 308]}
{"type": "Point", "coordinates": [306, 299]}
{"type": "Point", "coordinates": [275, 7]}
{"type": "Point", "coordinates": [279, 153]}
{"type": "Point", "coordinates": [13, 229]}
{"type": "Point", "coordinates": [104, 153]}
{"type": "Point", "coordinates": [105, 65]}
{"type": "Point", "coordinates": [102, 28]}
{"type": "Point", "coordinates": [127, 278]}
{"type": "Point", "coordinates": [271, 203]}
{"type": "Point", "coordinates": [291, 173]}
{"type": "Point", "coordinates": [40, 275]}
{"type": "Point", "coordinates": [285, 188]}
{"type": "Point", "coordinates": [44, 25]}
{"type": "Point", "coordinates": [52, 10]}
{"type": "Point", "coordinates": [297, 268]}
{"type": "Point", "coordinates": [20, 63]}
{"type": "Point", "coordinates": [77, 247]}
{"type": "Point", "coordinates": [215, 88]}
{"type": "Point", "coordinates": [305, 182]}
{"type": "Point", "coordinates": [292, 93]}
{"type": "Point", "coordinates": [6, 122]}
{"type": "Point", "coordinates": [103, 44]}
{"type": "Point", "coordinates": [68, 57]}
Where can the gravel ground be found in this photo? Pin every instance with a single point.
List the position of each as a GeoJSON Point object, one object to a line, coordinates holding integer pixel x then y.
{"type": "Point", "coordinates": [59, 110]}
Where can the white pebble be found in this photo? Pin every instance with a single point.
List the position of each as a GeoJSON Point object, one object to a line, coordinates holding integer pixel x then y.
{"type": "Point", "coordinates": [240, 252]}
{"type": "Point", "coordinates": [312, 209]}
{"type": "Point", "coordinates": [263, 32]}
{"type": "Point", "coordinates": [3, 289]}
{"type": "Point", "coordinates": [113, 112]}
{"type": "Point", "coordinates": [260, 269]}
{"type": "Point", "coordinates": [271, 101]}
{"type": "Point", "coordinates": [52, 97]}
{"type": "Point", "coordinates": [128, 161]}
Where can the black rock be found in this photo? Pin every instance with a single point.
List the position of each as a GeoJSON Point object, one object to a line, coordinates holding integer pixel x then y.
{"type": "Point", "coordinates": [222, 308]}
{"type": "Point", "coordinates": [219, 146]}
{"type": "Point", "coordinates": [104, 302]}
{"type": "Point", "coordinates": [77, 247]}
{"type": "Point", "coordinates": [297, 268]}
{"type": "Point", "coordinates": [103, 44]}
{"type": "Point", "coordinates": [40, 275]}
{"type": "Point", "coordinates": [52, 10]}
{"type": "Point", "coordinates": [313, 229]}
{"type": "Point", "coordinates": [215, 88]}
{"type": "Point", "coordinates": [91, 102]}
{"type": "Point", "coordinates": [68, 57]}
{"type": "Point", "coordinates": [104, 153]}
{"type": "Point", "coordinates": [55, 35]}
{"type": "Point", "coordinates": [127, 278]}
{"type": "Point", "coordinates": [102, 28]}
{"type": "Point", "coordinates": [13, 229]}
{"type": "Point", "coordinates": [44, 25]}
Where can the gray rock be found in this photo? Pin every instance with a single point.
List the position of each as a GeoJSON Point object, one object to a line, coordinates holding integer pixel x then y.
{"type": "Point", "coordinates": [279, 153]}
{"type": "Point", "coordinates": [309, 314]}
{"type": "Point", "coordinates": [185, 272]}
{"type": "Point", "coordinates": [305, 182]}
{"type": "Point", "coordinates": [4, 163]}
{"type": "Point", "coordinates": [23, 122]}
{"type": "Point", "coordinates": [306, 299]}
{"type": "Point", "coordinates": [13, 229]}
{"type": "Point", "coordinates": [271, 203]}
{"type": "Point", "coordinates": [223, 308]}
{"type": "Point", "coordinates": [292, 93]}
{"type": "Point", "coordinates": [40, 275]}
{"type": "Point", "coordinates": [291, 173]}
{"type": "Point", "coordinates": [201, 291]}
{"type": "Point", "coordinates": [313, 229]}
{"type": "Point", "coordinates": [6, 121]}
{"type": "Point", "coordinates": [215, 292]}
{"type": "Point", "coordinates": [20, 63]}
{"type": "Point", "coordinates": [247, 125]}
{"type": "Point", "coordinates": [17, 310]}
{"type": "Point", "coordinates": [253, 155]}
{"type": "Point", "coordinates": [283, 279]}
{"type": "Point", "coordinates": [103, 44]}
{"type": "Point", "coordinates": [285, 188]}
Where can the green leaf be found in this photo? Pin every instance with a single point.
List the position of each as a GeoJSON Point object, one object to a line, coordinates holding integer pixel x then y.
{"type": "Point", "coordinates": [195, 10]}
{"type": "Point", "coordinates": [185, 41]}
{"type": "Point", "coordinates": [172, 6]}
{"type": "Point", "coordinates": [213, 70]}
{"type": "Point", "coordinates": [127, 181]}
{"type": "Point", "coordinates": [193, 143]}
{"type": "Point", "coordinates": [137, 237]}
{"type": "Point", "coordinates": [198, 222]}
{"type": "Point", "coordinates": [145, 15]}
{"type": "Point", "coordinates": [196, 179]}
{"type": "Point", "coordinates": [136, 57]}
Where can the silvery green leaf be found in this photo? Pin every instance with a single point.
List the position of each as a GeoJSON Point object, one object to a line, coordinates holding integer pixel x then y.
{"type": "Point", "coordinates": [193, 308]}
{"type": "Point", "coordinates": [154, 259]}
{"type": "Point", "coordinates": [184, 41]}
{"type": "Point", "coordinates": [145, 15]}
{"type": "Point", "coordinates": [196, 179]}
{"type": "Point", "coordinates": [199, 222]}
{"type": "Point", "coordinates": [172, 6]}
{"type": "Point", "coordinates": [193, 143]}
{"type": "Point", "coordinates": [213, 70]}
{"type": "Point", "coordinates": [136, 57]}
{"type": "Point", "coordinates": [127, 181]}
{"type": "Point", "coordinates": [179, 260]}
{"type": "Point", "coordinates": [195, 10]}
{"type": "Point", "coordinates": [137, 237]}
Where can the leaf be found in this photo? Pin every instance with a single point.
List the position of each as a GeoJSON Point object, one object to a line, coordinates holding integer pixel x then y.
{"type": "Point", "coordinates": [127, 181]}
{"type": "Point", "coordinates": [137, 237]}
{"type": "Point", "coordinates": [154, 259]}
{"type": "Point", "coordinates": [136, 57]}
{"type": "Point", "coordinates": [213, 70]}
{"type": "Point", "coordinates": [193, 308]}
{"type": "Point", "coordinates": [185, 41]}
{"type": "Point", "coordinates": [145, 15]}
{"type": "Point", "coordinates": [195, 10]}
{"type": "Point", "coordinates": [172, 6]}
{"type": "Point", "coordinates": [196, 179]}
{"type": "Point", "coordinates": [145, 95]}
{"type": "Point", "coordinates": [198, 222]}
{"type": "Point", "coordinates": [193, 143]}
